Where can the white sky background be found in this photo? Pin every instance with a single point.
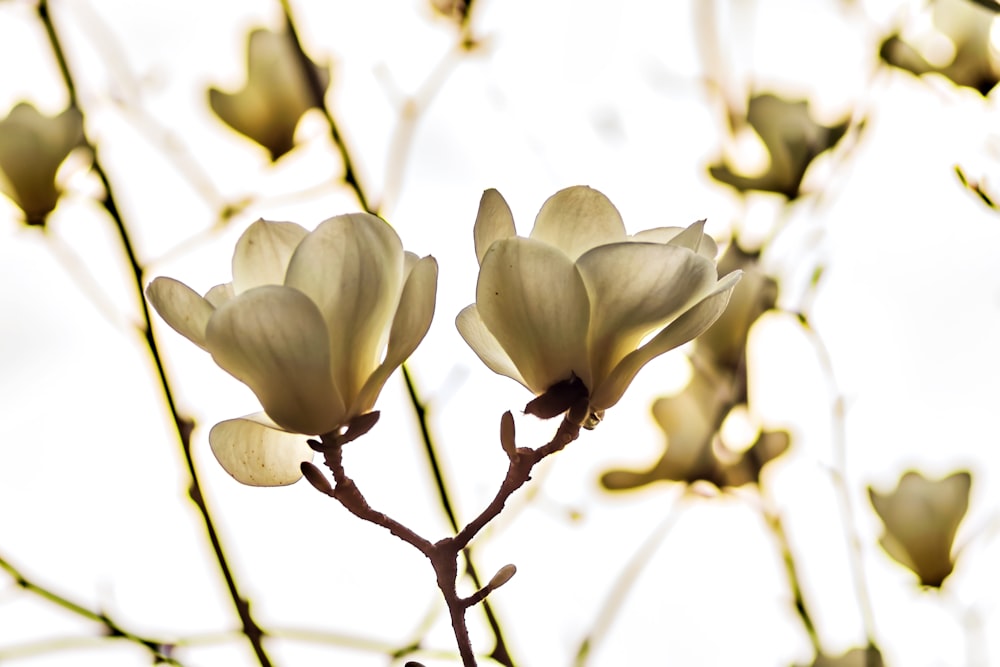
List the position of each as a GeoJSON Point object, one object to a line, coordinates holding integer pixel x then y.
{"type": "Point", "coordinates": [92, 498]}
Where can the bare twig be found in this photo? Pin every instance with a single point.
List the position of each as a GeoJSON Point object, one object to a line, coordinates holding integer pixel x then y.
{"type": "Point", "coordinates": [182, 424]}
{"type": "Point", "coordinates": [444, 553]}
{"type": "Point", "coordinates": [158, 648]}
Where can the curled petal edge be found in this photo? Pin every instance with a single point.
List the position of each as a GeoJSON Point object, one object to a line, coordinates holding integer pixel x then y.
{"type": "Point", "coordinates": [685, 328]}
{"type": "Point", "coordinates": [409, 326]}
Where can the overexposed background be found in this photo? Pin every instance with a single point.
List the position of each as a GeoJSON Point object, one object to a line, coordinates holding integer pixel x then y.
{"type": "Point", "coordinates": [614, 95]}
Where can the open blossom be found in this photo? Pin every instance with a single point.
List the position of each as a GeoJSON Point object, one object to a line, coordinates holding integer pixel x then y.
{"type": "Point", "coordinates": [574, 301]}
{"type": "Point", "coordinates": [314, 323]}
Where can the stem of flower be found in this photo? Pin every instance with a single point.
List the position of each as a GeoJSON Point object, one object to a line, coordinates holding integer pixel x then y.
{"type": "Point", "coordinates": [182, 424]}
{"type": "Point", "coordinates": [444, 553]}
{"type": "Point", "coordinates": [350, 178]}
{"type": "Point", "coordinates": [319, 101]}
{"type": "Point", "coordinates": [773, 518]}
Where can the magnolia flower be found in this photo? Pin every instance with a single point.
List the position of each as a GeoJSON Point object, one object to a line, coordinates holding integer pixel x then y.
{"type": "Point", "coordinates": [314, 323]}
{"type": "Point", "coordinates": [32, 146]}
{"type": "Point", "coordinates": [921, 518]}
{"type": "Point", "coordinates": [576, 309]}
{"type": "Point", "coordinates": [695, 452]}
{"type": "Point", "coordinates": [793, 140]}
{"type": "Point", "coordinates": [723, 346]}
{"type": "Point", "coordinates": [268, 107]}
{"type": "Point", "coordinates": [691, 420]}
{"type": "Point", "coordinates": [958, 45]}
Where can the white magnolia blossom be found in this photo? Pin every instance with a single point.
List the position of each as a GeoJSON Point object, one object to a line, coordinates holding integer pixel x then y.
{"type": "Point", "coordinates": [314, 323]}
{"type": "Point", "coordinates": [577, 298]}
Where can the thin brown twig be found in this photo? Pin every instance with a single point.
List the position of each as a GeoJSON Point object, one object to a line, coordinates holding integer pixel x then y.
{"type": "Point", "coordinates": [500, 651]}
{"type": "Point", "coordinates": [444, 553]}
{"type": "Point", "coordinates": [182, 424]}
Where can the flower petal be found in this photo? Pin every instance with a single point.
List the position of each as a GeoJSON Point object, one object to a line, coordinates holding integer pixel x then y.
{"type": "Point", "coordinates": [409, 326]}
{"type": "Point", "coordinates": [274, 339]}
{"type": "Point", "coordinates": [577, 219]}
{"type": "Point", "coordinates": [220, 294]}
{"type": "Point", "coordinates": [691, 237]}
{"type": "Point", "coordinates": [181, 307]}
{"type": "Point", "coordinates": [706, 248]}
{"type": "Point", "coordinates": [493, 222]}
{"type": "Point", "coordinates": [686, 327]}
{"type": "Point", "coordinates": [263, 252]}
{"type": "Point", "coordinates": [352, 268]}
{"type": "Point", "coordinates": [485, 345]}
{"type": "Point", "coordinates": [635, 288]}
{"type": "Point", "coordinates": [256, 452]}
{"type": "Point", "coordinates": [531, 297]}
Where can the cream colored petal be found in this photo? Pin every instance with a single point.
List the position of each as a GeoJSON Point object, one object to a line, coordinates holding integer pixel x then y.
{"type": "Point", "coordinates": [274, 339]}
{"type": "Point", "coordinates": [577, 219]}
{"type": "Point", "coordinates": [181, 307]}
{"type": "Point", "coordinates": [634, 289]}
{"type": "Point", "coordinates": [352, 268]}
{"type": "Point", "coordinates": [706, 248]}
{"type": "Point", "coordinates": [220, 294]}
{"type": "Point", "coordinates": [686, 327]}
{"type": "Point", "coordinates": [409, 326]}
{"type": "Point", "coordinates": [410, 260]}
{"type": "Point", "coordinates": [257, 452]}
{"type": "Point", "coordinates": [493, 222]}
{"type": "Point", "coordinates": [263, 252]}
{"type": "Point", "coordinates": [531, 297]}
{"type": "Point", "coordinates": [485, 344]}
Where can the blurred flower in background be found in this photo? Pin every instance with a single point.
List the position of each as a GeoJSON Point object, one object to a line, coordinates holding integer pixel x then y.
{"type": "Point", "coordinates": [921, 517]}
{"type": "Point", "coordinates": [955, 43]}
{"type": "Point", "coordinates": [693, 418]}
{"type": "Point", "coordinates": [276, 94]}
{"type": "Point", "coordinates": [856, 657]}
{"type": "Point", "coordinates": [314, 323]}
{"type": "Point", "coordinates": [32, 147]}
{"type": "Point", "coordinates": [792, 139]}
{"type": "Point", "coordinates": [565, 311]}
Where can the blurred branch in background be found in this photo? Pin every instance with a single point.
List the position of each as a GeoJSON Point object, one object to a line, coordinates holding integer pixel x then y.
{"type": "Point", "coordinates": [182, 424]}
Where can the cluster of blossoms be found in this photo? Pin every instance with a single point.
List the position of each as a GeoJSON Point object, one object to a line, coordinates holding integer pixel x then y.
{"type": "Point", "coordinates": [315, 322]}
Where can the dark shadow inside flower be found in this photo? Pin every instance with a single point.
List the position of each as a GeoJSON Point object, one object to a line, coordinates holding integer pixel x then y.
{"type": "Point", "coordinates": [792, 138]}
{"type": "Point", "coordinates": [275, 96]}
